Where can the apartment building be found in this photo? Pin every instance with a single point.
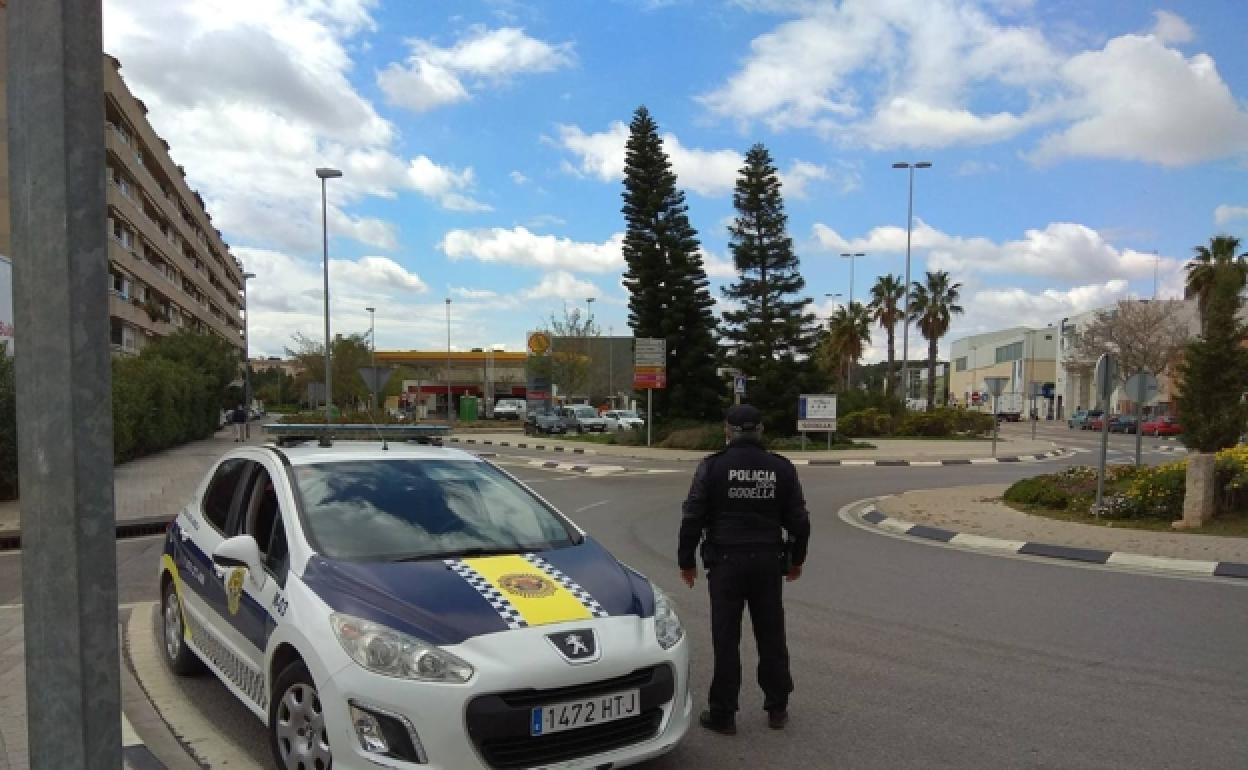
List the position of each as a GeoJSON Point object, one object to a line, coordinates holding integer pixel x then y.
{"type": "Point", "coordinates": [168, 267]}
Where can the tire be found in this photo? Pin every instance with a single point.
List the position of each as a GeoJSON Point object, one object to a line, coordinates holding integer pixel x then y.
{"type": "Point", "coordinates": [297, 735]}
{"type": "Point", "coordinates": [178, 656]}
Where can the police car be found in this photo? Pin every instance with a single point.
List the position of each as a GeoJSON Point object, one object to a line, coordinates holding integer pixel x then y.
{"type": "Point", "coordinates": [417, 607]}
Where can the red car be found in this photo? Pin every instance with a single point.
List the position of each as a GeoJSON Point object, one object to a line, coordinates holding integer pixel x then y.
{"type": "Point", "coordinates": [1162, 426]}
{"type": "Point", "coordinates": [1095, 423]}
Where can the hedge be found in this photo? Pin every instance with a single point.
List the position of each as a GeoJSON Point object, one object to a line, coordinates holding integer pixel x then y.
{"type": "Point", "coordinates": [874, 422]}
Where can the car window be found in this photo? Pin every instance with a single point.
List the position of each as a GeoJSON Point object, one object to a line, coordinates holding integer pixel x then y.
{"type": "Point", "coordinates": [220, 493]}
{"type": "Point", "coordinates": [390, 509]}
{"type": "Point", "coordinates": [585, 411]}
{"type": "Point", "coordinates": [262, 519]}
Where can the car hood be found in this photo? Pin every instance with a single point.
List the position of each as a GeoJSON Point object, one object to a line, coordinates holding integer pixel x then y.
{"type": "Point", "coordinates": [448, 602]}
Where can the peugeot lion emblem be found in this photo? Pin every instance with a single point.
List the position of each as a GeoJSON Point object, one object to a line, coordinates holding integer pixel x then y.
{"type": "Point", "coordinates": [576, 646]}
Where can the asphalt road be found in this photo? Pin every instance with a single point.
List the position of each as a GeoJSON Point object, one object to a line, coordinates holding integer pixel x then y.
{"type": "Point", "coordinates": [908, 655]}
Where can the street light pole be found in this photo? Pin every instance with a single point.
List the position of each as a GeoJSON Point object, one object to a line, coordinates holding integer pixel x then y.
{"type": "Point", "coordinates": [905, 328]}
{"type": "Point", "coordinates": [323, 174]}
{"type": "Point", "coordinates": [372, 336]}
{"type": "Point", "coordinates": [589, 349]}
{"type": "Point", "coordinates": [851, 272]}
{"type": "Point", "coordinates": [449, 416]}
{"type": "Point", "coordinates": [246, 354]}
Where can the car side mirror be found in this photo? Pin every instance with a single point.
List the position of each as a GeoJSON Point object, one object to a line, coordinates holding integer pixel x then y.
{"type": "Point", "coordinates": [240, 551]}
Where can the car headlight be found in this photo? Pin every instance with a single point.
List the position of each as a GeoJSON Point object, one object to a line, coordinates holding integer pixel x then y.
{"type": "Point", "coordinates": [386, 651]}
{"type": "Point", "coordinates": [667, 627]}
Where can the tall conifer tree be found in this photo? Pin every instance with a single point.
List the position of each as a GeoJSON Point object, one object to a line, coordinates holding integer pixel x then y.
{"type": "Point", "coordinates": [771, 333]}
{"type": "Point", "coordinates": [666, 278]}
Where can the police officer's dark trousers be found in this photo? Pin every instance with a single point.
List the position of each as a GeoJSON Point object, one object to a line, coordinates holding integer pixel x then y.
{"type": "Point", "coordinates": [748, 578]}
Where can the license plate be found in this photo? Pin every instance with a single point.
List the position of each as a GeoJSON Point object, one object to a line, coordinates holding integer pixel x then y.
{"type": "Point", "coordinates": [583, 713]}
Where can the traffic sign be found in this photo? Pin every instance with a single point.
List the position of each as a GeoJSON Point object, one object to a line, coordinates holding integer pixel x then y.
{"type": "Point", "coordinates": [650, 351]}
{"type": "Point", "coordinates": [738, 384]}
{"type": "Point", "coordinates": [1106, 374]}
{"type": "Point", "coordinates": [816, 412]}
{"type": "Point", "coordinates": [995, 385]}
{"type": "Point", "coordinates": [1142, 387]}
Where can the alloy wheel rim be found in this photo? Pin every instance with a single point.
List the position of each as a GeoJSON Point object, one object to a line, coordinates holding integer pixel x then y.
{"type": "Point", "coordinates": [300, 728]}
{"type": "Point", "coordinates": [173, 626]}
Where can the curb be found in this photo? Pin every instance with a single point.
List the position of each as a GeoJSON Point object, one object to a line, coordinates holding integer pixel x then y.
{"type": "Point", "coordinates": [145, 526]}
{"type": "Point", "coordinates": [1227, 569]}
{"type": "Point", "coordinates": [938, 463]}
{"type": "Point", "coordinates": [545, 447]}
{"type": "Point", "coordinates": [1175, 449]}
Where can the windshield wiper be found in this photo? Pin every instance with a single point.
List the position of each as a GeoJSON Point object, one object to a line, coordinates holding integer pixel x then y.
{"type": "Point", "coordinates": [471, 552]}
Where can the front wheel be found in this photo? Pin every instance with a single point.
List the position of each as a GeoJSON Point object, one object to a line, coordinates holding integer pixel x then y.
{"type": "Point", "coordinates": [297, 733]}
{"type": "Point", "coordinates": [178, 656]}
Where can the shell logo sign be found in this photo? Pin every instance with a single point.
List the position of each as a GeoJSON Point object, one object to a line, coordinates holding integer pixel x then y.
{"type": "Point", "coordinates": [539, 343]}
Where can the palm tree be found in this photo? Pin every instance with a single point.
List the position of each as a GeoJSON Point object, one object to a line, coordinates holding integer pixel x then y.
{"type": "Point", "coordinates": [886, 308]}
{"type": "Point", "coordinates": [849, 331]}
{"type": "Point", "coordinates": [932, 306]}
{"type": "Point", "coordinates": [1203, 270]}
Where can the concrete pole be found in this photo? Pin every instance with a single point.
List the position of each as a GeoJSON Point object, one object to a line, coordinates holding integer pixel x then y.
{"type": "Point", "coordinates": [450, 417]}
{"type": "Point", "coordinates": [329, 388]}
{"type": "Point", "coordinates": [905, 315]}
{"type": "Point", "coordinates": [64, 383]}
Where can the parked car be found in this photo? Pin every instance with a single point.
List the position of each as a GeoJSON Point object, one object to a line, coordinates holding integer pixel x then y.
{"type": "Point", "coordinates": [510, 409]}
{"type": "Point", "coordinates": [441, 614]}
{"type": "Point", "coordinates": [582, 418]}
{"type": "Point", "coordinates": [1162, 426]}
{"type": "Point", "coordinates": [1096, 423]}
{"type": "Point", "coordinates": [1080, 419]}
{"type": "Point", "coordinates": [1123, 423]}
{"type": "Point", "coordinates": [543, 420]}
{"type": "Point", "coordinates": [622, 419]}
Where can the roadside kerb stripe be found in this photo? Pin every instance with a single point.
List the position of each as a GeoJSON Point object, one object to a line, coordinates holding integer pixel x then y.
{"type": "Point", "coordinates": [589, 469]}
{"type": "Point", "coordinates": [1228, 569]}
{"type": "Point", "coordinates": [523, 445]}
{"type": "Point", "coordinates": [936, 463]}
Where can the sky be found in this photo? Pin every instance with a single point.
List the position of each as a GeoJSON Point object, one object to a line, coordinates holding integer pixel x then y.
{"type": "Point", "coordinates": [1078, 149]}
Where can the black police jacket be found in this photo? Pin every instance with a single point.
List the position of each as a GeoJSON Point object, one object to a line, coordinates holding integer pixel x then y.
{"type": "Point", "coordinates": [744, 497]}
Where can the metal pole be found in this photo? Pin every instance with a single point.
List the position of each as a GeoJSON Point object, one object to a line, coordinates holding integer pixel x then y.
{"type": "Point", "coordinates": [996, 425]}
{"type": "Point", "coordinates": [449, 416]}
{"type": "Point", "coordinates": [63, 378]}
{"type": "Point", "coordinates": [1139, 409]}
{"type": "Point", "coordinates": [246, 357]}
{"type": "Point", "coordinates": [905, 320]}
{"type": "Point", "coordinates": [372, 335]}
{"type": "Point", "coordinates": [1034, 414]}
{"type": "Point", "coordinates": [1100, 476]}
{"type": "Point", "coordinates": [650, 413]}
{"type": "Point", "coordinates": [329, 389]}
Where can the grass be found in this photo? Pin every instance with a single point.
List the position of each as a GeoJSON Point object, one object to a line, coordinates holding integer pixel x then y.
{"type": "Point", "coordinates": [1225, 524]}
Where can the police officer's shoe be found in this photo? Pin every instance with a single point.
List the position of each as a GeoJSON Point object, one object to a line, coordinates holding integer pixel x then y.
{"type": "Point", "coordinates": [777, 718]}
{"type": "Point", "coordinates": [721, 725]}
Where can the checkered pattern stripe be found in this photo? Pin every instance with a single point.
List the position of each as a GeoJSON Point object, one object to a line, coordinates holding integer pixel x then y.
{"type": "Point", "coordinates": [500, 603]}
{"type": "Point", "coordinates": [583, 596]}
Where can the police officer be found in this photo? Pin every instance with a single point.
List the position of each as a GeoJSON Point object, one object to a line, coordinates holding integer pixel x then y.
{"type": "Point", "coordinates": [742, 501]}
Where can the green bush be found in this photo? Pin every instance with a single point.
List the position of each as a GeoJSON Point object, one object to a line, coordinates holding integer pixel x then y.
{"type": "Point", "coordinates": [1158, 492]}
{"type": "Point", "coordinates": [931, 424]}
{"type": "Point", "coordinates": [867, 423]}
{"type": "Point", "coordinates": [708, 437]}
{"type": "Point", "coordinates": [1044, 491]}
{"type": "Point", "coordinates": [872, 422]}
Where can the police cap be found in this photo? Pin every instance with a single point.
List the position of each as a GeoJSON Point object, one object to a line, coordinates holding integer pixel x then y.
{"type": "Point", "coordinates": [744, 417]}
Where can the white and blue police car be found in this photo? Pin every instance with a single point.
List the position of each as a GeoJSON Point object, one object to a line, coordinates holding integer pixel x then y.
{"type": "Point", "coordinates": [417, 607]}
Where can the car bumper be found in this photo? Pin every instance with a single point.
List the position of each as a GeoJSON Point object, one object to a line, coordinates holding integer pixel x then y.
{"type": "Point", "coordinates": [453, 722]}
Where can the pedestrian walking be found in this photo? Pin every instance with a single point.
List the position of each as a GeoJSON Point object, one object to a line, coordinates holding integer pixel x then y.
{"type": "Point", "coordinates": [742, 503]}
{"type": "Point", "coordinates": [240, 423]}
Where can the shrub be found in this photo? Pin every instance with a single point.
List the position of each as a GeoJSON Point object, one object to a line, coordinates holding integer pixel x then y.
{"type": "Point", "coordinates": [1044, 491]}
{"type": "Point", "coordinates": [866, 423]}
{"type": "Point", "coordinates": [1158, 492]}
{"type": "Point", "coordinates": [704, 437]}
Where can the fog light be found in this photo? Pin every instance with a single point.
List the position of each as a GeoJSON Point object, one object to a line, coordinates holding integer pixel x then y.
{"type": "Point", "coordinates": [368, 730]}
{"type": "Point", "coordinates": [387, 734]}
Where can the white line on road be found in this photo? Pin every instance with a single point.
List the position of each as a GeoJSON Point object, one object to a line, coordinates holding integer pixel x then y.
{"type": "Point", "coordinates": [584, 508]}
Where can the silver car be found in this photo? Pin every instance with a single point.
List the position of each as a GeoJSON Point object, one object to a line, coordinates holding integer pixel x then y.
{"type": "Point", "coordinates": [582, 418]}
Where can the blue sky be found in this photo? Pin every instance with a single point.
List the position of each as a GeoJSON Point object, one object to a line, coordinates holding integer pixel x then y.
{"type": "Point", "coordinates": [482, 143]}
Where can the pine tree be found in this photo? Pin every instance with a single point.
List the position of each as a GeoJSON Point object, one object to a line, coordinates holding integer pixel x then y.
{"type": "Point", "coordinates": [771, 332]}
{"type": "Point", "coordinates": [666, 278]}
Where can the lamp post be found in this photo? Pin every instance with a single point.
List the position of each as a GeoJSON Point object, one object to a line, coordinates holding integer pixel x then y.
{"type": "Point", "coordinates": [323, 174]}
{"type": "Point", "coordinates": [450, 417]}
{"type": "Point", "coordinates": [905, 329]}
{"type": "Point", "coordinates": [851, 258]}
{"type": "Point", "coordinates": [589, 350]}
{"type": "Point", "coordinates": [246, 354]}
{"type": "Point", "coordinates": [611, 363]}
{"type": "Point", "coordinates": [372, 336]}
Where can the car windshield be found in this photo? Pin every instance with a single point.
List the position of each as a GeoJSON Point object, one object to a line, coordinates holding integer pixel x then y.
{"type": "Point", "coordinates": [626, 414]}
{"type": "Point", "coordinates": [584, 411]}
{"type": "Point", "coordinates": [380, 510]}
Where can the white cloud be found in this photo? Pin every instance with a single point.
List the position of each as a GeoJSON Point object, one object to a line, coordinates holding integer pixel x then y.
{"type": "Point", "coordinates": [709, 173]}
{"type": "Point", "coordinates": [1062, 251]}
{"type": "Point", "coordinates": [286, 297]}
{"type": "Point", "coordinates": [918, 73]}
{"type": "Point", "coordinates": [1139, 100]}
{"type": "Point", "coordinates": [434, 76]}
{"type": "Point", "coordinates": [1171, 28]}
{"type": "Point", "coordinates": [251, 126]}
{"type": "Point", "coordinates": [519, 246]}
{"type": "Point", "coordinates": [1225, 214]}
{"type": "Point", "coordinates": [465, 293]}
{"type": "Point", "coordinates": [717, 266]}
{"type": "Point", "coordinates": [518, 178]}
{"type": "Point", "coordinates": [561, 285]}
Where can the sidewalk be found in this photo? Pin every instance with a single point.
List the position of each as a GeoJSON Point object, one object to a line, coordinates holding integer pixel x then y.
{"type": "Point", "coordinates": [153, 486]}
{"type": "Point", "coordinates": [978, 510]}
{"type": "Point", "coordinates": [886, 449]}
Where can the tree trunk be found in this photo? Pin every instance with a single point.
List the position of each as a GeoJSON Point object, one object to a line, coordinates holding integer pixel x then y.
{"type": "Point", "coordinates": [931, 374]}
{"type": "Point", "coordinates": [1198, 501]}
{"type": "Point", "coordinates": [888, 376]}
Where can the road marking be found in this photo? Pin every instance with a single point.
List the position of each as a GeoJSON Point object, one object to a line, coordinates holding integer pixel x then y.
{"type": "Point", "coordinates": [584, 508]}
{"type": "Point", "coordinates": [1156, 562]}
{"type": "Point", "coordinates": [978, 541]}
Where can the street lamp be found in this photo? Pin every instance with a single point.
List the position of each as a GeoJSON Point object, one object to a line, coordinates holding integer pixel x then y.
{"type": "Point", "coordinates": [246, 354]}
{"type": "Point", "coordinates": [905, 329]}
{"type": "Point", "coordinates": [323, 174]}
{"type": "Point", "coordinates": [851, 258]}
{"type": "Point", "coordinates": [372, 336]}
{"type": "Point", "coordinates": [449, 416]}
{"type": "Point", "coordinates": [589, 349]}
